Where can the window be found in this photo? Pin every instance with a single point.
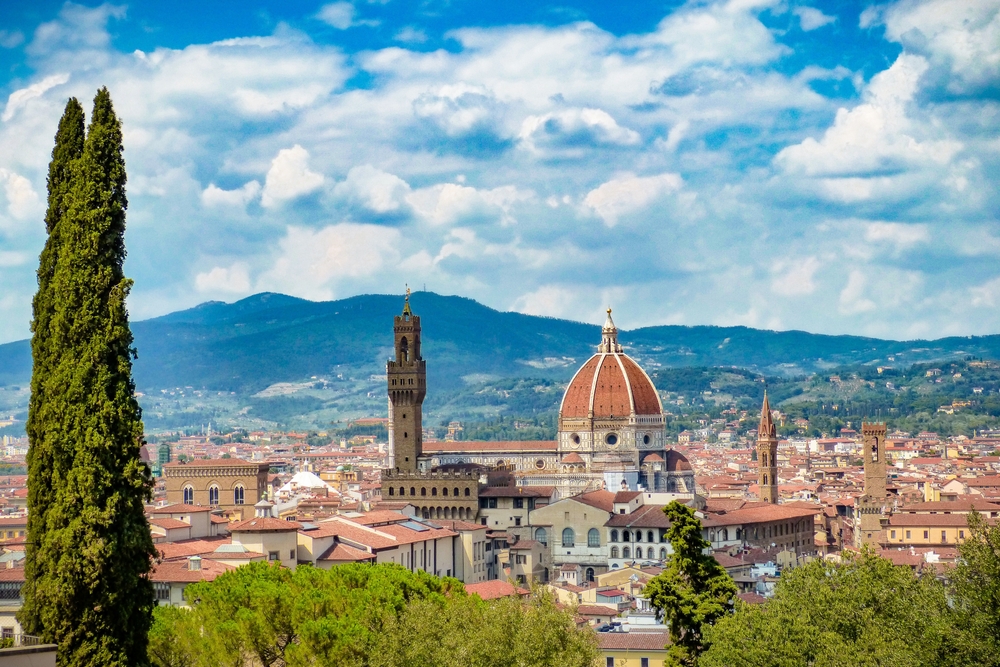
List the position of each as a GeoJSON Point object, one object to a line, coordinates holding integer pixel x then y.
{"type": "Point", "coordinates": [892, 534]}
{"type": "Point", "coordinates": [663, 553]}
{"type": "Point", "coordinates": [725, 534]}
{"type": "Point", "coordinates": [188, 495]}
{"type": "Point", "coordinates": [8, 633]}
{"type": "Point", "coordinates": [638, 536]}
{"type": "Point", "coordinates": [493, 503]}
{"type": "Point", "coordinates": [649, 536]}
{"type": "Point", "coordinates": [614, 552]}
{"type": "Point", "coordinates": [626, 552]}
{"type": "Point", "coordinates": [484, 503]}
{"type": "Point", "coordinates": [593, 538]}
{"type": "Point", "coordinates": [402, 491]}
{"type": "Point", "coordinates": [273, 555]}
{"type": "Point", "coordinates": [568, 537]}
{"type": "Point", "coordinates": [520, 559]}
{"type": "Point", "coordinates": [644, 662]}
{"type": "Point", "coordinates": [961, 534]}
{"type": "Point", "coordinates": [423, 491]}
{"type": "Point", "coordinates": [392, 491]}
{"type": "Point", "coordinates": [413, 490]}
{"type": "Point", "coordinates": [517, 521]}
{"type": "Point", "coordinates": [162, 590]}
{"type": "Point", "coordinates": [467, 492]}
{"type": "Point", "coordinates": [239, 495]}
{"type": "Point", "coordinates": [907, 534]}
{"type": "Point", "coordinates": [590, 574]}
{"type": "Point", "coordinates": [926, 534]}
{"type": "Point", "coordinates": [213, 495]}
{"type": "Point", "coordinates": [519, 503]}
{"type": "Point", "coordinates": [626, 536]}
{"type": "Point", "coordinates": [291, 554]}
{"type": "Point", "coordinates": [614, 536]}
{"type": "Point", "coordinates": [456, 492]}
{"type": "Point", "coordinates": [610, 662]}
{"type": "Point", "coordinates": [944, 537]}
{"type": "Point", "coordinates": [542, 536]}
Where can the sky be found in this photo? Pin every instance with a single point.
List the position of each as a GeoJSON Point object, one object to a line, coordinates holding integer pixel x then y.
{"type": "Point", "coordinates": [825, 166]}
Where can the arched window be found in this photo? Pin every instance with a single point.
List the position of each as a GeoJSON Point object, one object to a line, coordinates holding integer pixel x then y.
{"type": "Point", "coordinates": [614, 552]}
{"type": "Point", "coordinates": [649, 536]}
{"type": "Point", "coordinates": [626, 536]}
{"type": "Point", "coordinates": [213, 495]}
{"type": "Point", "coordinates": [467, 492]}
{"type": "Point", "coordinates": [638, 536]}
{"type": "Point", "coordinates": [423, 491]}
{"type": "Point", "coordinates": [392, 491]}
{"type": "Point", "coordinates": [650, 554]}
{"type": "Point", "coordinates": [725, 534]}
{"type": "Point", "coordinates": [590, 574]}
{"type": "Point", "coordinates": [456, 492]}
{"type": "Point", "coordinates": [413, 490]}
{"type": "Point", "coordinates": [239, 495]}
{"type": "Point", "coordinates": [402, 491]}
{"type": "Point", "coordinates": [626, 552]}
{"type": "Point", "coordinates": [593, 538]}
{"type": "Point", "coordinates": [434, 491]}
{"type": "Point", "coordinates": [541, 535]}
{"type": "Point", "coordinates": [568, 537]}
{"type": "Point", "coordinates": [663, 553]}
{"type": "Point", "coordinates": [189, 495]}
{"type": "Point", "coordinates": [614, 535]}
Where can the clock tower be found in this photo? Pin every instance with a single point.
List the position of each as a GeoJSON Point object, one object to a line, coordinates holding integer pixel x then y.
{"type": "Point", "coordinates": [407, 383]}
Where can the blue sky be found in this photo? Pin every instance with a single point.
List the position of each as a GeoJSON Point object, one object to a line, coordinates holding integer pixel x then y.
{"type": "Point", "coordinates": [828, 166]}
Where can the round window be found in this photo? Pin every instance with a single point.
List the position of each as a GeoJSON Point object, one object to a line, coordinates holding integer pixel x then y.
{"type": "Point", "coordinates": [645, 439]}
{"type": "Point", "coordinates": [611, 439]}
{"type": "Point", "coordinates": [539, 464]}
{"type": "Point", "coordinates": [575, 438]}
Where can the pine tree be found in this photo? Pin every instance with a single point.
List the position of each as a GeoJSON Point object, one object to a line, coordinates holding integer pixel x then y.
{"type": "Point", "coordinates": [89, 589]}
{"type": "Point", "coordinates": [68, 148]}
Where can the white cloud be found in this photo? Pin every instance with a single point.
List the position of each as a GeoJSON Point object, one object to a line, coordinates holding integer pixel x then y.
{"type": "Point", "coordinates": [574, 130]}
{"type": "Point", "coordinates": [900, 235]}
{"type": "Point", "coordinates": [20, 98]}
{"type": "Point", "coordinates": [11, 259]}
{"type": "Point", "coordinates": [629, 193]}
{"type": "Point", "coordinates": [216, 196]}
{"type": "Point", "coordinates": [289, 177]}
{"type": "Point", "coordinates": [852, 298]}
{"type": "Point", "coordinates": [795, 277]}
{"type": "Point", "coordinates": [232, 280]}
{"type": "Point", "coordinates": [374, 190]}
{"type": "Point", "coordinates": [10, 39]}
{"type": "Point", "coordinates": [22, 200]}
{"type": "Point", "coordinates": [874, 136]}
{"type": "Point", "coordinates": [811, 18]}
{"type": "Point", "coordinates": [448, 203]}
{"type": "Point", "coordinates": [341, 15]}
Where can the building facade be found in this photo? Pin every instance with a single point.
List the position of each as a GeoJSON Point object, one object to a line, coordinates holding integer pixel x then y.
{"type": "Point", "coordinates": [231, 485]}
{"type": "Point", "coordinates": [767, 455]}
{"type": "Point", "coordinates": [872, 505]}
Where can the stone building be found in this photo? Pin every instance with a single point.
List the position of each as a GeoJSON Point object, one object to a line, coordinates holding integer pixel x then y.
{"type": "Point", "coordinates": [411, 476]}
{"type": "Point", "coordinates": [231, 485]}
{"type": "Point", "coordinates": [872, 507]}
{"type": "Point", "coordinates": [767, 455]}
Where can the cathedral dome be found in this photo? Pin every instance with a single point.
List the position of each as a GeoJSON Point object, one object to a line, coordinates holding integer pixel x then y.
{"type": "Point", "coordinates": [610, 384]}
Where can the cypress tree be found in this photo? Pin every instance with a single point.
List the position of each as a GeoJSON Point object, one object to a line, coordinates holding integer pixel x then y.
{"type": "Point", "coordinates": [68, 148]}
{"type": "Point", "coordinates": [89, 588]}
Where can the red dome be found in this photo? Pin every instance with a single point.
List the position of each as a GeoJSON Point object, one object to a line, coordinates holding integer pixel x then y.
{"type": "Point", "coordinates": [610, 385]}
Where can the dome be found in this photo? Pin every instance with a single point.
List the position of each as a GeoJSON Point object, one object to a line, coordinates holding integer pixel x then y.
{"type": "Point", "coordinates": [610, 384]}
{"type": "Point", "coordinates": [676, 461]}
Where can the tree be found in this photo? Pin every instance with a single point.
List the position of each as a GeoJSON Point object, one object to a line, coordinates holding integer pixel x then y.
{"type": "Point", "coordinates": [693, 591]}
{"type": "Point", "coordinates": [41, 462]}
{"type": "Point", "coordinates": [976, 580]}
{"type": "Point", "coordinates": [87, 587]}
{"type": "Point", "coordinates": [860, 612]}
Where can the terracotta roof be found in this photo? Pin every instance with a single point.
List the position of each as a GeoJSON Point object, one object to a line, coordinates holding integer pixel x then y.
{"type": "Point", "coordinates": [265, 524]}
{"type": "Point", "coordinates": [759, 515]}
{"type": "Point", "coordinates": [978, 504]}
{"type": "Point", "coordinates": [646, 516]}
{"type": "Point", "coordinates": [179, 508]}
{"type": "Point", "coordinates": [626, 496]}
{"type": "Point", "coordinates": [458, 525]}
{"type": "Point", "coordinates": [752, 598]}
{"type": "Point", "coordinates": [343, 553]}
{"type": "Point", "coordinates": [405, 535]}
{"type": "Point", "coordinates": [633, 641]}
{"type": "Point", "coordinates": [185, 548]}
{"type": "Point", "coordinates": [169, 524]}
{"type": "Point", "coordinates": [524, 545]}
{"type": "Point", "coordinates": [602, 499]}
{"type": "Point", "coordinates": [380, 517]}
{"type": "Point", "coordinates": [491, 590]}
{"type": "Point", "coordinates": [596, 610]}
{"type": "Point", "coordinates": [179, 571]}
{"type": "Point", "coordinates": [13, 521]}
{"type": "Point", "coordinates": [12, 573]}
{"type": "Point", "coordinates": [519, 446]}
{"type": "Point", "coordinates": [653, 458]}
{"type": "Point", "coordinates": [930, 520]}
{"type": "Point", "coordinates": [610, 385]}
{"type": "Point", "coordinates": [572, 457]}
{"type": "Point", "coordinates": [676, 461]}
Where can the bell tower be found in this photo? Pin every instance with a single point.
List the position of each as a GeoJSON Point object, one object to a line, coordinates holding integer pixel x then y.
{"type": "Point", "coordinates": [407, 384]}
{"type": "Point", "coordinates": [767, 455]}
{"type": "Point", "coordinates": [871, 506]}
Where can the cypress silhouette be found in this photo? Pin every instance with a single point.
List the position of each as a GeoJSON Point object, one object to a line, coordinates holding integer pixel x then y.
{"type": "Point", "coordinates": [87, 585]}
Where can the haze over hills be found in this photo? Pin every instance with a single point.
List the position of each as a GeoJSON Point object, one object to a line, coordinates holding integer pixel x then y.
{"type": "Point", "coordinates": [268, 338]}
{"type": "Point", "coordinates": [272, 355]}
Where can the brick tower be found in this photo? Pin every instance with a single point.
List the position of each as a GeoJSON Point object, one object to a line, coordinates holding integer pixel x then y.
{"type": "Point", "coordinates": [871, 505]}
{"type": "Point", "coordinates": [407, 383]}
{"type": "Point", "coordinates": [767, 455]}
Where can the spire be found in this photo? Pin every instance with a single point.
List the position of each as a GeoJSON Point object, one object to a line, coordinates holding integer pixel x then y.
{"type": "Point", "coordinates": [406, 303]}
{"type": "Point", "coordinates": [766, 428]}
{"type": "Point", "coordinates": [609, 336]}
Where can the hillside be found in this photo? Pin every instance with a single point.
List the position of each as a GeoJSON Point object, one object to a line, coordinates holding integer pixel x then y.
{"type": "Point", "coordinates": [331, 354]}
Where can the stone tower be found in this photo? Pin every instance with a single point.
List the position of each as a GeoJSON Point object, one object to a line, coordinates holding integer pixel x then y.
{"type": "Point", "coordinates": [767, 455]}
{"type": "Point", "coordinates": [407, 383]}
{"type": "Point", "coordinates": [871, 505]}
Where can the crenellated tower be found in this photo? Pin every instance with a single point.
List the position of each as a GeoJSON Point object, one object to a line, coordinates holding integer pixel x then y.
{"type": "Point", "coordinates": [407, 384]}
{"type": "Point", "coordinates": [767, 455]}
{"type": "Point", "coordinates": [871, 506]}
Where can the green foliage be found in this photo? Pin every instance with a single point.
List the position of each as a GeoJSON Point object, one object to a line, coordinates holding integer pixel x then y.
{"type": "Point", "coordinates": [86, 581]}
{"type": "Point", "coordinates": [976, 579]}
{"type": "Point", "coordinates": [360, 616]}
{"type": "Point", "coordinates": [693, 591]}
{"type": "Point", "coordinates": [862, 611]}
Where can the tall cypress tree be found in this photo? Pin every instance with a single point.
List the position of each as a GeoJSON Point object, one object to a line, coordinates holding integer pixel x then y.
{"type": "Point", "coordinates": [90, 590]}
{"type": "Point", "coordinates": [68, 149]}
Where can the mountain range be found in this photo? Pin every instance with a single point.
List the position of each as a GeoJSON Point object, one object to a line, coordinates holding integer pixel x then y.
{"type": "Point", "coordinates": [268, 338]}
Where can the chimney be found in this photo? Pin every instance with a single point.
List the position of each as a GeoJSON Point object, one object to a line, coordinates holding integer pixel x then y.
{"type": "Point", "coordinates": [194, 563]}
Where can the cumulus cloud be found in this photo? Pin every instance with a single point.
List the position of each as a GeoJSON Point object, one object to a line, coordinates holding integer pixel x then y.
{"type": "Point", "coordinates": [447, 203]}
{"type": "Point", "coordinates": [629, 193]}
{"type": "Point", "coordinates": [289, 177]}
{"type": "Point", "coordinates": [374, 190]}
{"type": "Point", "coordinates": [216, 196]}
{"type": "Point", "coordinates": [811, 18]}
{"type": "Point", "coordinates": [229, 280]}
{"type": "Point", "coordinates": [342, 15]}
{"type": "Point", "coordinates": [574, 130]}
{"type": "Point", "coordinates": [852, 297]}
{"type": "Point", "coordinates": [901, 236]}
{"type": "Point", "coordinates": [795, 277]}
{"type": "Point", "coordinates": [22, 200]}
